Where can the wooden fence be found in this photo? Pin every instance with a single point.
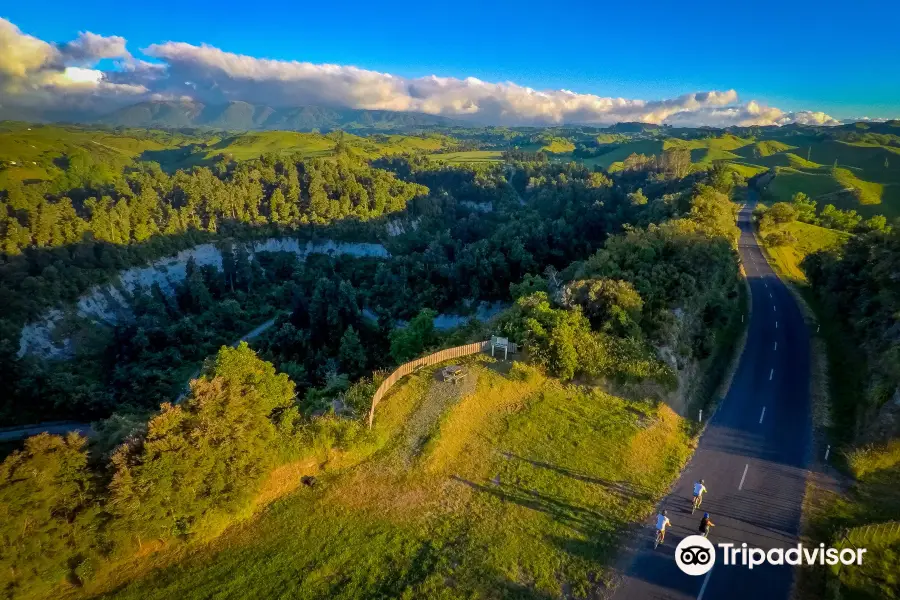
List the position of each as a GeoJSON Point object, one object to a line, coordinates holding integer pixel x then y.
{"type": "Point", "coordinates": [432, 359]}
{"type": "Point", "coordinates": [880, 534]}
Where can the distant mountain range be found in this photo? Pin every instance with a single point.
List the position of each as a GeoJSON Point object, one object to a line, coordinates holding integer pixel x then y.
{"type": "Point", "coordinates": [237, 116]}
{"type": "Point", "coordinates": [241, 116]}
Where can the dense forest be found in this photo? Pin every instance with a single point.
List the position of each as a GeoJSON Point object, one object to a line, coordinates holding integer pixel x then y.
{"type": "Point", "coordinates": [858, 286]}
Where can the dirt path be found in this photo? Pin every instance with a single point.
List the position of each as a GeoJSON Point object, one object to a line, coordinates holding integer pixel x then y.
{"type": "Point", "coordinates": [424, 421]}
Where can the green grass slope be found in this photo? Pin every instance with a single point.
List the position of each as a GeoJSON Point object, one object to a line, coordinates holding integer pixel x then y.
{"type": "Point", "coordinates": [866, 192]}
{"type": "Point", "coordinates": [789, 181]}
{"type": "Point", "coordinates": [312, 145]}
{"type": "Point", "coordinates": [745, 170]}
{"type": "Point", "coordinates": [845, 188]}
{"type": "Point", "coordinates": [785, 159]}
{"type": "Point", "coordinates": [724, 143]}
{"type": "Point", "coordinates": [253, 145]}
{"type": "Point", "coordinates": [36, 150]}
{"type": "Point", "coordinates": [470, 156]}
{"type": "Point", "coordinates": [518, 486]}
{"type": "Point", "coordinates": [762, 149]}
{"type": "Point", "coordinates": [809, 239]}
{"type": "Point", "coordinates": [558, 146]}
{"type": "Point", "coordinates": [646, 147]}
{"type": "Point", "coordinates": [869, 158]}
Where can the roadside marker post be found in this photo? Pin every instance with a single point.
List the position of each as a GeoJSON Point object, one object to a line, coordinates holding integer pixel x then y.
{"type": "Point", "coordinates": [827, 451]}
{"type": "Point", "coordinates": [701, 415]}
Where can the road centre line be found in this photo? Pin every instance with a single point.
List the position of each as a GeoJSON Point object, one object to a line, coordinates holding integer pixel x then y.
{"type": "Point", "coordinates": [741, 484]}
{"type": "Point", "coordinates": [703, 587]}
{"type": "Point", "coordinates": [772, 372]}
{"type": "Point", "coordinates": [776, 346]}
{"type": "Point", "coordinates": [762, 415]}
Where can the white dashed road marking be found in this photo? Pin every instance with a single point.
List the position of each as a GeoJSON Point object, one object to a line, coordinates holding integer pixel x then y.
{"type": "Point", "coordinates": [762, 415]}
{"type": "Point", "coordinates": [703, 587]}
{"type": "Point", "coordinates": [741, 485]}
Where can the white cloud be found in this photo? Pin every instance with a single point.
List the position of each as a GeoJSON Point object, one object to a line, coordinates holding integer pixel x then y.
{"type": "Point", "coordinates": [22, 56]}
{"type": "Point", "coordinates": [80, 75]}
{"type": "Point", "coordinates": [36, 74]}
{"type": "Point", "coordinates": [33, 71]}
{"type": "Point", "coordinates": [89, 47]}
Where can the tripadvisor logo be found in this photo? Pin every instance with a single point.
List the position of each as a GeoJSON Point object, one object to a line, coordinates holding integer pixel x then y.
{"type": "Point", "coordinates": [695, 555]}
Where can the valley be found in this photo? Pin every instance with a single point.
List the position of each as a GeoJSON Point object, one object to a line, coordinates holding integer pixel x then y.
{"type": "Point", "coordinates": [621, 262]}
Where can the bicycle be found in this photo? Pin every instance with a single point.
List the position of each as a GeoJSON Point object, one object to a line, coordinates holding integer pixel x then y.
{"type": "Point", "coordinates": [696, 504]}
{"type": "Point", "coordinates": [660, 536]}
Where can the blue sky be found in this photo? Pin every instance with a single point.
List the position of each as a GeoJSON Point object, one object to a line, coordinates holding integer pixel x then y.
{"type": "Point", "coordinates": [793, 55]}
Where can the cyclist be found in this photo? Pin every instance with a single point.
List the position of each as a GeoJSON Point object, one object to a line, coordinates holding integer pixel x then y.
{"type": "Point", "coordinates": [699, 489]}
{"type": "Point", "coordinates": [662, 521]}
{"type": "Point", "coordinates": [705, 524]}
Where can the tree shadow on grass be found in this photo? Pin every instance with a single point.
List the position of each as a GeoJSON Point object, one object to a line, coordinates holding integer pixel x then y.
{"type": "Point", "coordinates": [595, 537]}
{"type": "Point", "coordinates": [580, 518]}
{"type": "Point", "coordinates": [616, 487]}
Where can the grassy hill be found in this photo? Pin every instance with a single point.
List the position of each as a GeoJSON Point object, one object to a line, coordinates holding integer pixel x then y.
{"type": "Point", "coordinates": [851, 175]}
{"type": "Point", "coordinates": [762, 149]}
{"type": "Point", "coordinates": [38, 150]}
{"type": "Point", "coordinates": [31, 153]}
{"type": "Point", "coordinates": [785, 159]}
{"type": "Point", "coordinates": [647, 147]}
{"type": "Point", "coordinates": [789, 181]}
{"type": "Point", "coordinates": [252, 145]}
{"type": "Point", "coordinates": [745, 170]}
{"type": "Point", "coordinates": [509, 482]}
{"type": "Point", "coordinates": [809, 238]}
{"type": "Point", "coordinates": [558, 146]}
{"type": "Point", "coordinates": [843, 187]}
{"type": "Point", "coordinates": [470, 156]}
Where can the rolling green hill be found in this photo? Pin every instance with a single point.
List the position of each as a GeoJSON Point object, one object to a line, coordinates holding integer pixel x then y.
{"type": "Point", "coordinates": [647, 147]}
{"type": "Point", "coordinates": [39, 152]}
{"type": "Point", "coordinates": [788, 181]}
{"type": "Point", "coordinates": [31, 153]}
{"type": "Point", "coordinates": [558, 146]}
{"type": "Point", "coordinates": [471, 156]}
{"type": "Point", "coordinates": [762, 149]}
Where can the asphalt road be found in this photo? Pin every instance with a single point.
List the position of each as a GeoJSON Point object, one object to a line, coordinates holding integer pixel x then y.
{"type": "Point", "coordinates": [753, 463]}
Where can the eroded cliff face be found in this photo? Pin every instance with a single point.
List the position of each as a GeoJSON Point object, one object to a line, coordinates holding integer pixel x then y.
{"type": "Point", "coordinates": [54, 335]}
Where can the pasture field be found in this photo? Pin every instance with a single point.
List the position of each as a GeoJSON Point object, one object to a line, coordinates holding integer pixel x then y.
{"type": "Point", "coordinates": [471, 156]}
{"type": "Point", "coordinates": [809, 238]}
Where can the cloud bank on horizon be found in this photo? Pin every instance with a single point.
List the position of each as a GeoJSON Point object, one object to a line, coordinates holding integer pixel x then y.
{"type": "Point", "coordinates": [65, 76]}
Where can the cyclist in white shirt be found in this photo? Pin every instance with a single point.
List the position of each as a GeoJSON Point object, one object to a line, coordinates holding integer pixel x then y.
{"type": "Point", "coordinates": [662, 521]}
{"type": "Point", "coordinates": [699, 489]}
